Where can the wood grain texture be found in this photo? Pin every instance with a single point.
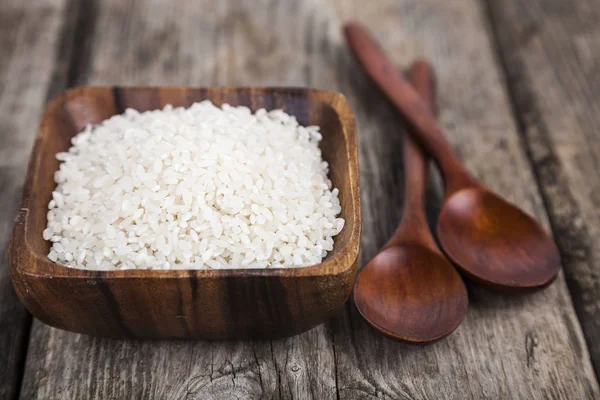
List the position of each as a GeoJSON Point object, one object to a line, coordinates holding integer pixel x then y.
{"type": "Point", "coordinates": [208, 304]}
{"type": "Point", "coordinates": [519, 348]}
{"type": "Point", "coordinates": [551, 52]}
{"type": "Point", "coordinates": [26, 67]}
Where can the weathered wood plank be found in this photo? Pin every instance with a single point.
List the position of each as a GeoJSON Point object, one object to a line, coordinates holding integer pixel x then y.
{"type": "Point", "coordinates": [529, 347]}
{"type": "Point", "coordinates": [551, 52]}
{"type": "Point", "coordinates": [26, 66]}
{"type": "Point", "coordinates": [523, 348]}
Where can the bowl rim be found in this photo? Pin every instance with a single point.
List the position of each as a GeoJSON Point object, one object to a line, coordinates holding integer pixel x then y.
{"type": "Point", "coordinates": [340, 263]}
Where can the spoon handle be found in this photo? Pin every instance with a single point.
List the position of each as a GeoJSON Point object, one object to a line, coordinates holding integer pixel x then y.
{"type": "Point", "coordinates": [413, 227]}
{"type": "Point", "coordinates": [422, 78]}
{"type": "Point", "coordinates": [407, 100]}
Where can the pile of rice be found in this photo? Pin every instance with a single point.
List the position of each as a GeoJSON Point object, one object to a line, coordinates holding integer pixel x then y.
{"type": "Point", "coordinates": [193, 188]}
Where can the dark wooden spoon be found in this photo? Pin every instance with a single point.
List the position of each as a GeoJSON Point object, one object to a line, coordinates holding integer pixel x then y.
{"type": "Point", "coordinates": [410, 291]}
{"type": "Point", "coordinates": [491, 240]}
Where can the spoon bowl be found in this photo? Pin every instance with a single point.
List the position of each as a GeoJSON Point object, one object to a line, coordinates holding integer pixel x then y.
{"type": "Point", "coordinates": [411, 293]}
{"type": "Point", "coordinates": [494, 242]}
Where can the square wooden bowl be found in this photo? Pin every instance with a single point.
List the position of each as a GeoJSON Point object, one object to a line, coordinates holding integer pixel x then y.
{"type": "Point", "coordinates": [183, 304]}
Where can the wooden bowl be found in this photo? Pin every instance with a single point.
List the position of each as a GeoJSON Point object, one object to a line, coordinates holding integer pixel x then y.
{"type": "Point", "coordinates": [183, 304]}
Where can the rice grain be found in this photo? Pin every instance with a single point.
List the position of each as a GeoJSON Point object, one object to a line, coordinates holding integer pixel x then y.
{"type": "Point", "coordinates": [192, 188]}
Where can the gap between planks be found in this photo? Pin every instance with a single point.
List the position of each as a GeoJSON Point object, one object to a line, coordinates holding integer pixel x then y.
{"type": "Point", "coordinates": [572, 223]}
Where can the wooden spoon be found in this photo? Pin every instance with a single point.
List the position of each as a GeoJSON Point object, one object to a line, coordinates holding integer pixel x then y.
{"type": "Point", "coordinates": [409, 291]}
{"type": "Point", "coordinates": [491, 240]}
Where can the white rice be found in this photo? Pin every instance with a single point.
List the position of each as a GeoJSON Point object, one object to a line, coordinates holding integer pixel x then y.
{"type": "Point", "coordinates": [202, 187]}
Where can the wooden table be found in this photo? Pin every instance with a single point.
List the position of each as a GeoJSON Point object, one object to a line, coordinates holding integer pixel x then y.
{"type": "Point", "coordinates": [519, 96]}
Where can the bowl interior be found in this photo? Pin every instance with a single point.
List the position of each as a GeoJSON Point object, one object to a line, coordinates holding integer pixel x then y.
{"type": "Point", "coordinates": [69, 113]}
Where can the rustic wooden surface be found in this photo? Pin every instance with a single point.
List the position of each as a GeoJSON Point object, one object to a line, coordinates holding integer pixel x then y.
{"type": "Point", "coordinates": [518, 97]}
{"type": "Point", "coordinates": [551, 53]}
{"type": "Point", "coordinates": [27, 62]}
